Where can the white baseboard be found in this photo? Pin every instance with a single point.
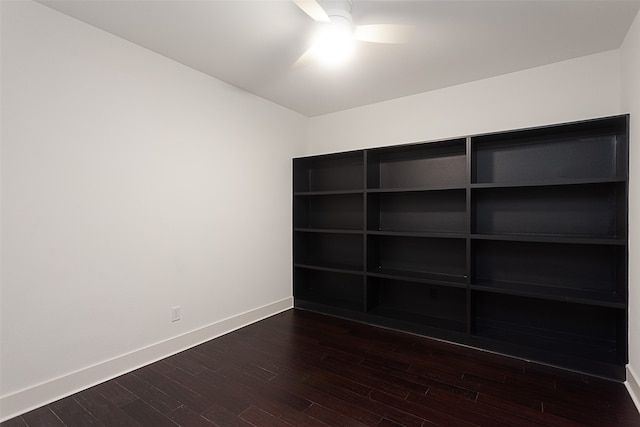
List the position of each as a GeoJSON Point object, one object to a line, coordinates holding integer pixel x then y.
{"type": "Point", "coordinates": [633, 386]}
{"type": "Point", "coordinates": [33, 397]}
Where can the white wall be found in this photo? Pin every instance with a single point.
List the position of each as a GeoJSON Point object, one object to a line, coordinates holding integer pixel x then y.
{"type": "Point", "coordinates": [630, 53]}
{"type": "Point", "coordinates": [130, 184]}
{"type": "Point", "coordinates": [571, 90]}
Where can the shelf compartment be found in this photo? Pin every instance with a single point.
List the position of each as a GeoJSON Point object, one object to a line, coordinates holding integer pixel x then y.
{"type": "Point", "coordinates": [339, 290]}
{"type": "Point", "coordinates": [426, 305]}
{"type": "Point", "coordinates": [329, 250]}
{"type": "Point", "coordinates": [332, 172]}
{"type": "Point", "coordinates": [576, 330]}
{"type": "Point", "coordinates": [442, 211]}
{"type": "Point", "coordinates": [571, 267]}
{"type": "Point", "coordinates": [429, 165]}
{"type": "Point", "coordinates": [589, 211]}
{"type": "Point", "coordinates": [341, 211]}
{"type": "Point", "coordinates": [584, 150]}
{"type": "Point", "coordinates": [441, 260]}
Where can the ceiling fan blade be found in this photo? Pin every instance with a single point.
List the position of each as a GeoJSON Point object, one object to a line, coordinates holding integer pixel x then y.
{"type": "Point", "coordinates": [313, 9]}
{"type": "Point", "coordinates": [384, 33]}
{"type": "Point", "coordinates": [305, 59]}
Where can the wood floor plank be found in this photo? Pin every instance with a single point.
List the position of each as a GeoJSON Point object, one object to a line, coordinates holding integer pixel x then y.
{"type": "Point", "coordinates": [532, 414]}
{"type": "Point", "coordinates": [191, 361]}
{"type": "Point", "coordinates": [147, 415]}
{"type": "Point", "coordinates": [240, 392]}
{"type": "Point", "coordinates": [148, 393]}
{"type": "Point", "coordinates": [425, 412]}
{"type": "Point", "coordinates": [115, 393]}
{"type": "Point", "coordinates": [258, 417]}
{"type": "Point", "coordinates": [222, 417]}
{"type": "Point", "coordinates": [371, 378]}
{"type": "Point", "coordinates": [186, 417]}
{"type": "Point", "coordinates": [456, 409]}
{"type": "Point", "coordinates": [325, 399]}
{"type": "Point", "coordinates": [472, 411]}
{"type": "Point", "coordinates": [530, 398]}
{"type": "Point", "coordinates": [593, 418]}
{"type": "Point", "coordinates": [103, 410]}
{"type": "Point", "coordinates": [266, 388]}
{"type": "Point", "coordinates": [300, 368]}
{"type": "Point", "coordinates": [179, 392]}
{"type": "Point", "coordinates": [212, 391]}
{"type": "Point", "coordinates": [238, 359]}
{"type": "Point", "coordinates": [43, 417]}
{"type": "Point", "coordinates": [72, 414]}
{"type": "Point", "coordinates": [332, 417]}
{"type": "Point", "coordinates": [15, 422]}
{"type": "Point", "coordinates": [301, 419]}
{"type": "Point", "coordinates": [388, 423]}
{"type": "Point", "coordinates": [364, 403]}
{"type": "Point", "coordinates": [422, 383]}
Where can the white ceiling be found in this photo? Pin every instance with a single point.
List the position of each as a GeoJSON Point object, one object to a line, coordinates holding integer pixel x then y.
{"type": "Point", "coordinates": [252, 44]}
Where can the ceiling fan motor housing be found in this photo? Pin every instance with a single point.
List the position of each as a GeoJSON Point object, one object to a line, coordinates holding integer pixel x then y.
{"type": "Point", "coordinates": [339, 11]}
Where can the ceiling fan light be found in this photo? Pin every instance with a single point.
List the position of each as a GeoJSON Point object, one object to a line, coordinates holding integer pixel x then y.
{"type": "Point", "coordinates": [334, 43]}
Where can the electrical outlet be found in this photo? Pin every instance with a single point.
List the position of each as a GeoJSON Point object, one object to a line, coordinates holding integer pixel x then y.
{"type": "Point", "coordinates": [176, 312]}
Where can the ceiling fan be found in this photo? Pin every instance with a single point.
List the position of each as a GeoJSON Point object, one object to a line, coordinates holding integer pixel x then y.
{"type": "Point", "coordinates": [336, 33]}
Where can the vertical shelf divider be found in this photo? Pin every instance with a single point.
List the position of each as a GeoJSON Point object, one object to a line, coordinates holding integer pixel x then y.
{"type": "Point", "coordinates": [365, 209]}
{"type": "Point", "coordinates": [469, 171]}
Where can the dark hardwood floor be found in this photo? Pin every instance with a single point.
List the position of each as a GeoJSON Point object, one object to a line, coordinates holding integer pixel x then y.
{"type": "Point", "coordinates": [304, 369]}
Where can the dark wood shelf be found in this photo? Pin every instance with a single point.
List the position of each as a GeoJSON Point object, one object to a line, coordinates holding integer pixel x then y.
{"type": "Point", "coordinates": [333, 267]}
{"type": "Point", "coordinates": [322, 299]}
{"type": "Point", "coordinates": [552, 238]}
{"type": "Point", "coordinates": [549, 183]}
{"type": "Point", "coordinates": [578, 296]}
{"type": "Point", "coordinates": [329, 230]}
{"type": "Point", "coordinates": [415, 189]}
{"type": "Point", "coordinates": [327, 193]}
{"type": "Point", "coordinates": [407, 233]}
{"type": "Point", "coordinates": [453, 280]}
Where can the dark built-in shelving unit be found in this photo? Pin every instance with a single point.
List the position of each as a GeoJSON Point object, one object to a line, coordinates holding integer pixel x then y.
{"type": "Point", "coordinates": [514, 242]}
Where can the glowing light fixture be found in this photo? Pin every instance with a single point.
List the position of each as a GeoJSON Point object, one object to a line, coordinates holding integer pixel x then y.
{"type": "Point", "coordinates": [334, 41]}
{"type": "Point", "coordinates": [336, 36]}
